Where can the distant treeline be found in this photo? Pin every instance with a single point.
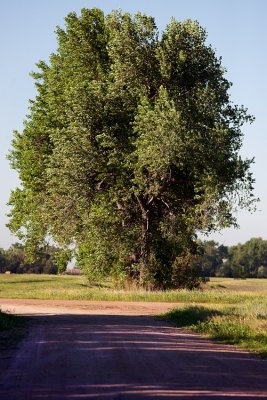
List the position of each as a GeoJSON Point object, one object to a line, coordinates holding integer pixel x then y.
{"type": "Point", "coordinates": [14, 260]}
{"type": "Point", "coordinates": [248, 260]}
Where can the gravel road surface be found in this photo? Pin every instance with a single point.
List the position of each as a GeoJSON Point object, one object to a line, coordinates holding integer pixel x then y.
{"type": "Point", "coordinates": [118, 351]}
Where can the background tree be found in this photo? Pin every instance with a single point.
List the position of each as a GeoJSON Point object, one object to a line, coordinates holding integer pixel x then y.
{"type": "Point", "coordinates": [213, 258]}
{"type": "Point", "coordinates": [262, 272]}
{"type": "Point", "coordinates": [247, 258]}
{"type": "Point", "coordinates": [3, 261]}
{"type": "Point", "coordinates": [15, 261]}
{"type": "Point", "coordinates": [130, 149]}
{"type": "Point", "coordinates": [15, 258]}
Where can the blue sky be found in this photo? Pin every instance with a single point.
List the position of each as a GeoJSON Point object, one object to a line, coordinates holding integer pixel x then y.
{"type": "Point", "coordinates": [237, 29]}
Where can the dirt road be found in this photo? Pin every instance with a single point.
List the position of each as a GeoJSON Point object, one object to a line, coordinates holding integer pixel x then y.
{"type": "Point", "coordinates": [112, 351]}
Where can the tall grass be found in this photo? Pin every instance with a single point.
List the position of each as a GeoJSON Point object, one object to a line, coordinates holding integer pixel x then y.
{"type": "Point", "coordinates": [242, 326]}
{"type": "Point", "coordinates": [220, 291]}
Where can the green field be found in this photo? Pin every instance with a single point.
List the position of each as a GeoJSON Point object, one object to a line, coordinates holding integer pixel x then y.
{"type": "Point", "coordinates": [217, 291]}
{"type": "Point", "coordinates": [233, 311]}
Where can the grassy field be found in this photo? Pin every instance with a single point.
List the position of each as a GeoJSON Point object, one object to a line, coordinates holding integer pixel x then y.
{"type": "Point", "coordinates": [232, 311]}
{"type": "Point", "coordinates": [218, 290]}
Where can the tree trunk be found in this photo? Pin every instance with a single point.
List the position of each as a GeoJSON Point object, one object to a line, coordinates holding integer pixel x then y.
{"type": "Point", "coordinates": [145, 239]}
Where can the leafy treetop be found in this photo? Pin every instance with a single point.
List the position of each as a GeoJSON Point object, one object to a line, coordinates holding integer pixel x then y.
{"type": "Point", "coordinates": [130, 148]}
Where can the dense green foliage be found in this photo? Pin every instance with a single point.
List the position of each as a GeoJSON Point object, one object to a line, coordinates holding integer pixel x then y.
{"type": "Point", "coordinates": [130, 148]}
{"type": "Point", "coordinates": [14, 261]}
{"type": "Point", "coordinates": [247, 260]}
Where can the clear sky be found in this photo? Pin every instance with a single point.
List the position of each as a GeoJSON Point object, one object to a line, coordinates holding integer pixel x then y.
{"type": "Point", "coordinates": [237, 29]}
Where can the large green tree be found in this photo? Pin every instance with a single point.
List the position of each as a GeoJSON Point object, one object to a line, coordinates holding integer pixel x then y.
{"type": "Point", "coordinates": [246, 259]}
{"type": "Point", "coordinates": [14, 261]}
{"type": "Point", "coordinates": [131, 147]}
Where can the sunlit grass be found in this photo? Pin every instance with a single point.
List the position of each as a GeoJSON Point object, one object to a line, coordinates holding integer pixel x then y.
{"type": "Point", "coordinates": [217, 291]}
{"type": "Point", "coordinates": [244, 326]}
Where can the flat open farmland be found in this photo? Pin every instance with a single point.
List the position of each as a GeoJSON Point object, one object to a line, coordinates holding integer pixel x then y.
{"type": "Point", "coordinates": [218, 290]}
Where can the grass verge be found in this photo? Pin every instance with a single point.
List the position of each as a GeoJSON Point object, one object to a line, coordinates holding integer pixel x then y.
{"type": "Point", "coordinates": [12, 330]}
{"type": "Point", "coordinates": [9, 321]}
{"type": "Point", "coordinates": [232, 325]}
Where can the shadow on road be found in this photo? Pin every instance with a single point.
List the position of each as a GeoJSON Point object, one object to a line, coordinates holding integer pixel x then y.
{"type": "Point", "coordinates": [126, 357]}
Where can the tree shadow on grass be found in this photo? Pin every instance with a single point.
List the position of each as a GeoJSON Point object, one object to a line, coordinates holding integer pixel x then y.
{"type": "Point", "coordinates": [24, 281]}
{"type": "Point", "coordinates": [191, 315]}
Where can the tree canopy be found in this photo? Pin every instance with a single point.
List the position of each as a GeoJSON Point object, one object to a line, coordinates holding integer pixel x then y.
{"type": "Point", "coordinates": [244, 260]}
{"type": "Point", "coordinates": [13, 260]}
{"type": "Point", "coordinates": [131, 147]}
